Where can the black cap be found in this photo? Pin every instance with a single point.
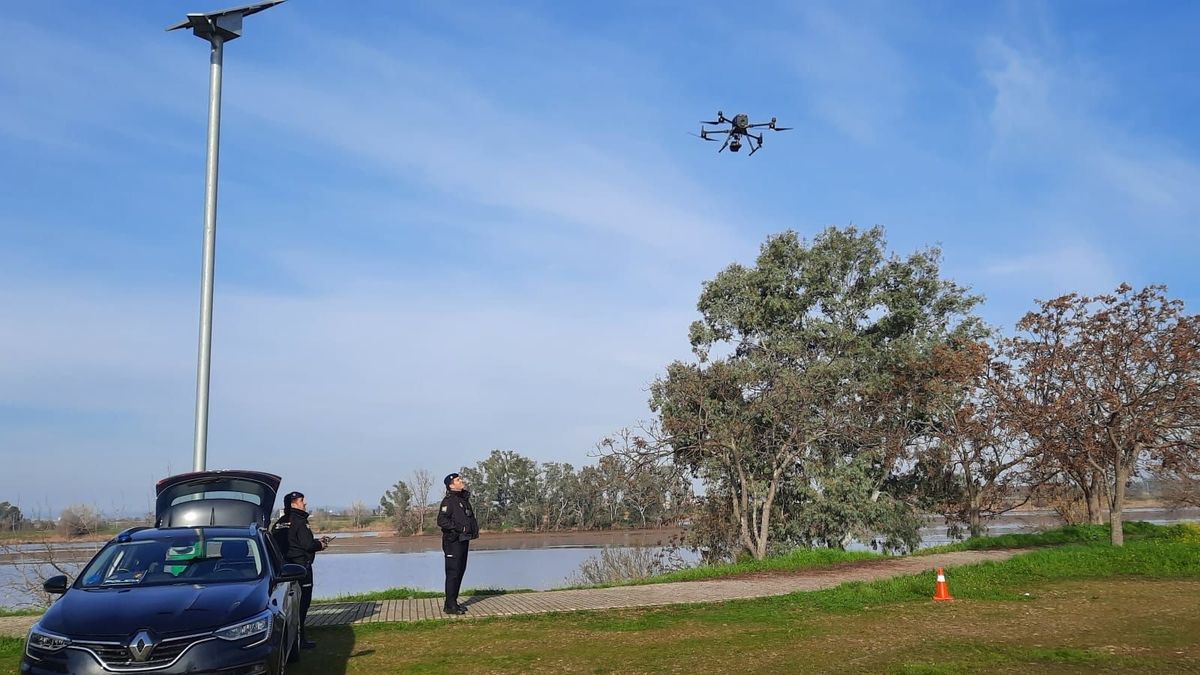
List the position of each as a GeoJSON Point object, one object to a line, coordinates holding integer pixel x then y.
{"type": "Point", "coordinates": [291, 497]}
{"type": "Point", "coordinates": [449, 479]}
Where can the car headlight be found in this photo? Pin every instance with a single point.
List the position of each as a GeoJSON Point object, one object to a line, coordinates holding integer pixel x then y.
{"type": "Point", "coordinates": [45, 641]}
{"type": "Point", "coordinates": [250, 627]}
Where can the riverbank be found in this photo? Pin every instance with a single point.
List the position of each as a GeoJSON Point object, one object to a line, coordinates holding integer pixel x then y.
{"type": "Point", "coordinates": [379, 537]}
{"type": "Point", "coordinates": [367, 540]}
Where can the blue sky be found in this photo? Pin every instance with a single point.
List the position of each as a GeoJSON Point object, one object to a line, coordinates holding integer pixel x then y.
{"type": "Point", "coordinates": [446, 228]}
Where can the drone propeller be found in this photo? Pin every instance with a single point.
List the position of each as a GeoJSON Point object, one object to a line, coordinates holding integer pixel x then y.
{"type": "Point", "coordinates": [711, 123]}
{"type": "Point", "coordinates": [703, 135]}
{"type": "Point", "coordinates": [782, 128]}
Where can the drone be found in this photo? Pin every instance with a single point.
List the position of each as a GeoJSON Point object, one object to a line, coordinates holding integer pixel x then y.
{"type": "Point", "coordinates": [739, 128]}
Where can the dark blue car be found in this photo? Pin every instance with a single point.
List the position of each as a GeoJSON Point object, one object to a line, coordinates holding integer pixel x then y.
{"type": "Point", "coordinates": [204, 591]}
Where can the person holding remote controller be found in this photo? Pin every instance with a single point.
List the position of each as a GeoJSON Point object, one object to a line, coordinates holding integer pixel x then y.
{"type": "Point", "coordinates": [295, 540]}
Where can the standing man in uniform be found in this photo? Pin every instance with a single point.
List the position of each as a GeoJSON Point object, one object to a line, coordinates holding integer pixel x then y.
{"type": "Point", "coordinates": [459, 527]}
{"type": "Point", "coordinates": [296, 542]}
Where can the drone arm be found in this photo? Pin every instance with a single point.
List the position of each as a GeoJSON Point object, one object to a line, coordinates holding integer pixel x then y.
{"type": "Point", "coordinates": [755, 147]}
{"type": "Point", "coordinates": [770, 125]}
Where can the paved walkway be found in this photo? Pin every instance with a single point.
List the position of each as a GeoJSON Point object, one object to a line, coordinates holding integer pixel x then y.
{"type": "Point", "coordinates": [716, 590]}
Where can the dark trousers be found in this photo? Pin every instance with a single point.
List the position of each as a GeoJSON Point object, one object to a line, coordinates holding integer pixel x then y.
{"type": "Point", "coordinates": [456, 565]}
{"type": "Point", "coordinates": [306, 588]}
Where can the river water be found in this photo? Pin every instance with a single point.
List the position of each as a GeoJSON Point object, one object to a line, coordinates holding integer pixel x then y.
{"type": "Point", "coordinates": [360, 564]}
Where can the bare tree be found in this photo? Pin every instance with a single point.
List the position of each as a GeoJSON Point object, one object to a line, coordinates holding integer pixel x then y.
{"type": "Point", "coordinates": [422, 483]}
{"type": "Point", "coordinates": [80, 520]}
{"type": "Point", "coordinates": [1119, 377]}
{"type": "Point", "coordinates": [983, 453]}
{"type": "Point", "coordinates": [359, 514]}
{"type": "Point", "coordinates": [32, 565]}
{"type": "Point", "coordinates": [1180, 474]}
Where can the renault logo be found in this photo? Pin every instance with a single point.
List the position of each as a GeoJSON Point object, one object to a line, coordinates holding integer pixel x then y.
{"type": "Point", "coordinates": [140, 646]}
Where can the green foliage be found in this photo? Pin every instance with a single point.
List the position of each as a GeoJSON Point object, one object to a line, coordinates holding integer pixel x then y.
{"type": "Point", "coordinates": [847, 504]}
{"type": "Point", "coordinates": [1018, 577]}
{"type": "Point", "coordinates": [11, 649]}
{"type": "Point", "coordinates": [510, 491]}
{"type": "Point", "coordinates": [815, 372]}
{"type": "Point", "coordinates": [11, 518]}
{"type": "Point", "coordinates": [1073, 534]}
{"type": "Point", "coordinates": [395, 502]}
{"type": "Point", "coordinates": [504, 488]}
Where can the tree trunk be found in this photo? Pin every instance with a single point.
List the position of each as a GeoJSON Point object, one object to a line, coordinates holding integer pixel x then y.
{"type": "Point", "coordinates": [975, 523]}
{"type": "Point", "coordinates": [1117, 504]}
{"type": "Point", "coordinates": [1093, 494]}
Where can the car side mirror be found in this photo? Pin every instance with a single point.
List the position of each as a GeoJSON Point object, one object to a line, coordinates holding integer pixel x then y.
{"type": "Point", "coordinates": [293, 572]}
{"type": "Point", "coordinates": [56, 585]}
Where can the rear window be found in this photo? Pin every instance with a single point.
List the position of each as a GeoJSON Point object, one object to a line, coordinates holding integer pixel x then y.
{"type": "Point", "coordinates": [189, 558]}
{"type": "Point", "coordinates": [218, 494]}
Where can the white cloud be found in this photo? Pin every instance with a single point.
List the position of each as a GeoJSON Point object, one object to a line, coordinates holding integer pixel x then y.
{"type": "Point", "coordinates": [378, 378]}
{"type": "Point", "coordinates": [1055, 270]}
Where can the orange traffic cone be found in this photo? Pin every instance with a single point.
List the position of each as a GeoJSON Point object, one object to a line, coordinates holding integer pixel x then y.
{"type": "Point", "coordinates": [942, 591]}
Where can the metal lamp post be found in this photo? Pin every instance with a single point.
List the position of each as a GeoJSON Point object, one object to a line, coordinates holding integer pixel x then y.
{"type": "Point", "coordinates": [217, 28]}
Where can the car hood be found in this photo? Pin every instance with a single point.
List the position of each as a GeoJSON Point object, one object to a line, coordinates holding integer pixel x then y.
{"type": "Point", "coordinates": [165, 610]}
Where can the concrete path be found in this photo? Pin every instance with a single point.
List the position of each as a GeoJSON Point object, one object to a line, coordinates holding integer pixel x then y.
{"type": "Point", "coordinates": [716, 590]}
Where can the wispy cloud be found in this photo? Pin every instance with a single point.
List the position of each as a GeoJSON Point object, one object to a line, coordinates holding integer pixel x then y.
{"type": "Point", "coordinates": [856, 79]}
{"type": "Point", "coordinates": [1046, 115]}
{"type": "Point", "coordinates": [1064, 268]}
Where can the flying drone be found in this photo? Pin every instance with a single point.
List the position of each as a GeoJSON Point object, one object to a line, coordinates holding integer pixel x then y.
{"type": "Point", "coordinates": [739, 129]}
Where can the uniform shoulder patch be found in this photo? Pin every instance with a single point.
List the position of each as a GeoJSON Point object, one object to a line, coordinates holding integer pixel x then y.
{"type": "Point", "coordinates": [444, 508]}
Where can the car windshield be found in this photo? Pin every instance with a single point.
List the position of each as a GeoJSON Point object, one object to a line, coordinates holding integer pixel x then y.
{"type": "Point", "coordinates": [186, 557]}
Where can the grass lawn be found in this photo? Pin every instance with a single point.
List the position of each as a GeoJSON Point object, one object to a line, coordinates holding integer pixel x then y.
{"type": "Point", "coordinates": [4, 611]}
{"type": "Point", "coordinates": [1121, 625]}
{"type": "Point", "coordinates": [1081, 607]}
{"type": "Point", "coordinates": [1077, 608]}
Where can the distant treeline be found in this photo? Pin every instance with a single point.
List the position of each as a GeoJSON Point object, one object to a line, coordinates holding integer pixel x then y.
{"type": "Point", "coordinates": [510, 491]}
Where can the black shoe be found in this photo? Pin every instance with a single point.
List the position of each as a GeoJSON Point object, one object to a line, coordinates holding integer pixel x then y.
{"type": "Point", "coordinates": [454, 610]}
{"type": "Point", "coordinates": [307, 644]}
{"type": "Point", "coordinates": [462, 609]}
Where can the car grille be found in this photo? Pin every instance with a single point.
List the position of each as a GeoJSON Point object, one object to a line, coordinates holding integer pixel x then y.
{"type": "Point", "coordinates": [116, 656]}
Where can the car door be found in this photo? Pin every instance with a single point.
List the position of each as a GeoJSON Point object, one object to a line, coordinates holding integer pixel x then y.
{"type": "Point", "coordinates": [284, 597]}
